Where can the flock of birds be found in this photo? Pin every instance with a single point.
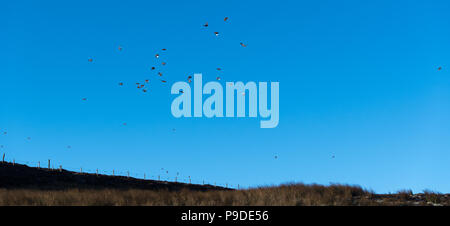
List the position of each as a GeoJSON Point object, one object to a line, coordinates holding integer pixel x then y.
{"type": "Point", "coordinates": [143, 85]}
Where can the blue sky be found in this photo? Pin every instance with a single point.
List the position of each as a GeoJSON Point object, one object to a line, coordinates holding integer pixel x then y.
{"type": "Point", "coordinates": [358, 80]}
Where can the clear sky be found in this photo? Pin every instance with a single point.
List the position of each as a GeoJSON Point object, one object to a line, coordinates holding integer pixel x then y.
{"type": "Point", "coordinates": [358, 80]}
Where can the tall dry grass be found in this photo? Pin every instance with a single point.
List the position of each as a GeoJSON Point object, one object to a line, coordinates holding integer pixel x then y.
{"type": "Point", "coordinates": [284, 195]}
{"type": "Point", "coordinates": [293, 194]}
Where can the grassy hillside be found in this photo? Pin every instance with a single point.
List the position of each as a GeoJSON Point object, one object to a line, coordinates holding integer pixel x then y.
{"type": "Point", "coordinates": [285, 195]}
{"type": "Point", "coordinates": [17, 176]}
{"type": "Point", "coordinates": [22, 185]}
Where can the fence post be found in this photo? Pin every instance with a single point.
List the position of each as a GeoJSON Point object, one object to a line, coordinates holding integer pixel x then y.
{"type": "Point", "coordinates": [49, 164]}
{"type": "Point", "coordinates": [189, 179]}
{"type": "Point", "coordinates": [81, 169]}
{"type": "Point", "coordinates": [39, 165]}
{"type": "Point", "coordinates": [60, 168]}
{"type": "Point", "coordinates": [113, 172]}
{"type": "Point", "coordinates": [97, 172]}
{"type": "Point", "coordinates": [3, 159]}
{"type": "Point", "coordinates": [159, 178]}
{"type": "Point", "coordinates": [144, 176]}
{"type": "Point", "coordinates": [14, 162]}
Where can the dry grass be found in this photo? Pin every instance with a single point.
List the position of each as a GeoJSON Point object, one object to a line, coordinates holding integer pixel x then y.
{"type": "Point", "coordinates": [404, 194]}
{"type": "Point", "coordinates": [24, 185]}
{"type": "Point", "coordinates": [284, 195]}
{"type": "Point", "coordinates": [433, 197]}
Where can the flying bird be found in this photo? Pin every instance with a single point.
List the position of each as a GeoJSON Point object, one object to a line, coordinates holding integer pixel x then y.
{"type": "Point", "coordinates": [84, 99]}
{"type": "Point", "coordinates": [225, 19]}
{"type": "Point", "coordinates": [163, 49]}
{"type": "Point", "coordinates": [120, 48]}
{"type": "Point", "coordinates": [218, 78]}
{"type": "Point", "coordinates": [439, 68]}
{"type": "Point", "coordinates": [159, 73]}
{"type": "Point", "coordinates": [157, 55]}
{"type": "Point", "coordinates": [120, 83]}
{"type": "Point", "coordinates": [153, 68]}
{"type": "Point", "coordinates": [219, 68]}
{"type": "Point", "coordinates": [163, 63]}
{"type": "Point", "coordinates": [90, 60]}
{"type": "Point", "coordinates": [243, 45]}
{"type": "Point", "coordinates": [164, 81]}
{"type": "Point", "coordinates": [216, 33]}
{"type": "Point", "coordinates": [206, 24]}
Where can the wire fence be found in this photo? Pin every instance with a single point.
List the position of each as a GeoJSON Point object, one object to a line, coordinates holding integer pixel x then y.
{"type": "Point", "coordinates": [163, 175]}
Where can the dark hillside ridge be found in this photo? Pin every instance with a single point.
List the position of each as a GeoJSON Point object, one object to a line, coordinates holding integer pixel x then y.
{"type": "Point", "coordinates": [17, 176]}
